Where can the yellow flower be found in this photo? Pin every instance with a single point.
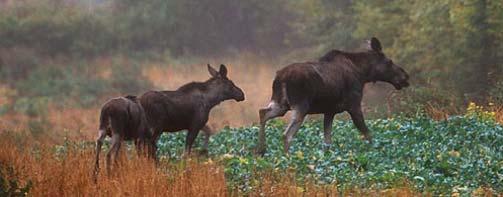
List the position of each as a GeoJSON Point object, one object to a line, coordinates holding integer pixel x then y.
{"type": "Point", "coordinates": [299, 154]}
{"type": "Point", "coordinates": [299, 189]}
{"type": "Point", "coordinates": [209, 161]}
{"type": "Point", "coordinates": [227, 156]}
{"type": "Point", "coordinates": [243, 160]}
{"type": "Point", "coordinates": [454, 153]}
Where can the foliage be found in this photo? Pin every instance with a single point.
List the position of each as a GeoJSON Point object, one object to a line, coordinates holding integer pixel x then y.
{"type": "Point", "coordinates": [462, 153]}
{"type": "Point", "coordinates": [128, 79]}
{"type": "Point", "coordinates": [478, 112]}
{"type": "Point", "coordinates": [74, 85]}
{"type": "Point", "coordinates": [11, 186]}
{"type": "Point", "coordinates": [180, 27]}
{"type": "Point", "coordinates": [496, 93]}
{"type": "Point", "coordinates": [448, 47]}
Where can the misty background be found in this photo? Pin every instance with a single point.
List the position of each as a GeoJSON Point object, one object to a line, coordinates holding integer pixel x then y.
{"type": "Point", "coordinates": [61, 59]}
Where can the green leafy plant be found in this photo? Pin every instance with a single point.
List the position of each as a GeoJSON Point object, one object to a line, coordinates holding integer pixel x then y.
{"type": "Point", "coordinates": [434, 156]}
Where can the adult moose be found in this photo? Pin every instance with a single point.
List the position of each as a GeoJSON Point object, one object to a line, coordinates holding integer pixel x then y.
{"type": "Point", "coordinates": [189, 106]}
{"type": "Point", "coordinates": [332, 85]}
{"type": "Point", "coordinates": [121, 118]}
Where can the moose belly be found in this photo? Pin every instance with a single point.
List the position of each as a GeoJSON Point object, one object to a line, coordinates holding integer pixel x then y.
{"type": "Point", "coordinates": [131, 134]}
{"type": "Point", "coordinates": [176, 126]}
{"type": "Point", "coordinates": [326, 105]}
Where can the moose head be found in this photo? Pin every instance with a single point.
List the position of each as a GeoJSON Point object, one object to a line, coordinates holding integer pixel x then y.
{"type": "Point", "coordinates": [383, 68]}
{"type": "Point", "coordinates": [224, 85]}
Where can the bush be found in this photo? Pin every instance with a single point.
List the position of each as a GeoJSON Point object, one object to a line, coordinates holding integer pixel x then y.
{"type": "Point", "coordinates": [434, 156]}
{"type": "Point", "coordinates": [32, 106]}
{"type": "Point", "coordinates": [496, 93]}
{"type": "Point", "coordinates": [16, 64]}
{"type": "Point", "coordinates": [9, 185]}
{"type": "Point", "coordinates": [128, 79]}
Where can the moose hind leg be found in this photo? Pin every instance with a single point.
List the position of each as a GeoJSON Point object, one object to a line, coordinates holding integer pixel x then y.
{"type": "Point", "coordinates": [293, 127]}
{"type": "Point", "coordinates": [113, 150]}
{"type": "Point", "coordinates": [99, 143]}
{"type": "Point", "coordinates": [117, 153]}
{"type": "Point", "coordinates": [273, 110]}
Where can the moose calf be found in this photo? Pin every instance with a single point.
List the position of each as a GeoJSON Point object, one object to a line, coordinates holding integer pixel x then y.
{"type": "Point", "coordinates": [122, 118]}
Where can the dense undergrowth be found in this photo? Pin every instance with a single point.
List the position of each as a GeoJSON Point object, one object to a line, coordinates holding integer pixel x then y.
{"type": "Point", "coordinates": [410, 156]}
{"type": "Point", "coordinates": [460, 155]}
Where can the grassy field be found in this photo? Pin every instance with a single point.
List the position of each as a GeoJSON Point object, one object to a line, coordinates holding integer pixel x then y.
{"type": "Point", "coordinates": [462, 155]}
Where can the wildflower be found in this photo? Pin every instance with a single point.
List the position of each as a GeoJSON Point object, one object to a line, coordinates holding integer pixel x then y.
{"type": "Point", "coordinates": [243, 160]}
{"type": "Point", "coordinates": [299, 189]}
{"type": "Point", "coordinates": [209, 161]}
{"type": "Point", "coordinates": [227, 156]}
{"type": "Point", "coordinates": [299, 154]}
{"type": "Point", "coordinates": [454, 153]}
{"type": "Point", "coordinates": [472, 105]}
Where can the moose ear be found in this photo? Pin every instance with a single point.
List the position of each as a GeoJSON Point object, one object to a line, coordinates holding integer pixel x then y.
{"type": "Point", "coordinates": [212, 71]}
{"type": "Point", "coordinates": [223, 71]}
{"type": "Point", "coordinates": [375, 44]}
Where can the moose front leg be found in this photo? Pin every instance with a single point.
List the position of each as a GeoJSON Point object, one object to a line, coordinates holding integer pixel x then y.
{"type": "Point", "coordinates": [207, 131]}
{"type": "Point", "coordinates": [359, 121]}
{"type": "Point", "coordinates": [191, 136]}
{"type": "Point", "coordinates": [328, 119]}
{"type": "Point", "coordinates": [152, 144]}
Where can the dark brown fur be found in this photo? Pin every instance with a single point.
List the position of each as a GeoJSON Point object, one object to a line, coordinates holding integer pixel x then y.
{"type": "Point", "coordinates": [332, 85]}
{"type": "Point", "coordinates": [121, 118]}
{"type": "Point", "coordinates": [188, 107]}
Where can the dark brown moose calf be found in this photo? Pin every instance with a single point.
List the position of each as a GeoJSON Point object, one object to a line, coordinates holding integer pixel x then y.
{"type": "Point", "coordinates": [189, 106]}
{"type": "Point", "coordinates": [122, 118]}
{"type": "Point", "coordinates": [332, 85]}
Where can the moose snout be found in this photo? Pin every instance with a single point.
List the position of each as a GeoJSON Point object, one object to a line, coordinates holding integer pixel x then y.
{"type": "Point", "coordinates": [240, 96]}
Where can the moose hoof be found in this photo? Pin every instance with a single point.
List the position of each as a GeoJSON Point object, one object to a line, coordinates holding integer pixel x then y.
{"type": "Point", "coordinates": [203, 152]}
{"type": "Point", "coordinates": [326, 147]}
{"type": "Point", "coordinates": [260, 152]}
{"type": "Point", "coordinates": [367, 138]}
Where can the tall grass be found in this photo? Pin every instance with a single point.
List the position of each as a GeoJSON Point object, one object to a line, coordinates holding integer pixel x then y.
{"type": "Point", "coordinates": [41, 169]}
{"type": "Point", "coordinates": [69, 172]}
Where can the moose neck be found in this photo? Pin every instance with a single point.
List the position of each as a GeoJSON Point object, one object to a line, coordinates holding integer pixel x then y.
{"type": "Point", "coordinates": [212, 96]}
{"type": "Point", "coordinates": [362, 61]}
{"type": "Point", "coordinates": [206, 91]}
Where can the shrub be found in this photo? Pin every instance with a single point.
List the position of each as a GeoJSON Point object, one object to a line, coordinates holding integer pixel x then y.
{"type": "Point", "coordinates": [128, 79]}
{"type": "Point", "coordinates": [433, 156]}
